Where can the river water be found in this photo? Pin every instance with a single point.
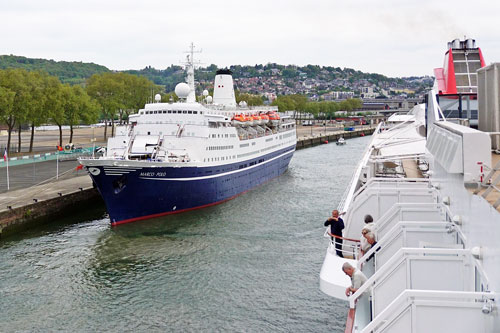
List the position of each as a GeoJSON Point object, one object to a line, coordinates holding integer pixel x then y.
{"type": "Point", "coordinates": [249, 265]}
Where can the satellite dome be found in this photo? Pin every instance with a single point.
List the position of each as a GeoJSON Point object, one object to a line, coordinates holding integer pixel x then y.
{"type": "Point", "coordinates": [182, 90]}
{"type": "Point", "coordinates": [209, 99]}
{"type": "Point", "coordinates": [205, 92]}
{"type": "Point", "coordinates": [157, 97]}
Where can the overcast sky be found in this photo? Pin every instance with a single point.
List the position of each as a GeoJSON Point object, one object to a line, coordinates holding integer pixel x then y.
{"type": "Point", "coordinates": [391, 37]}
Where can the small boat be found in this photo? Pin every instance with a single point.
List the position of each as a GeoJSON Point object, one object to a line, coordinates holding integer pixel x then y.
{"type": "Point", "coordinates": [341, 141]}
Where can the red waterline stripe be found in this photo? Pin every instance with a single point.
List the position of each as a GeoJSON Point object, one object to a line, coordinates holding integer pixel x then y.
{"type": "Point", "coordinates": [146, 217]}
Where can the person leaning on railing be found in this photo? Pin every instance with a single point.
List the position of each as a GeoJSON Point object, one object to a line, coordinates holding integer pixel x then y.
{"type": "Point", "coordinates": [336, 226]}
{"type": "Point", "coordinates": [357, 278]}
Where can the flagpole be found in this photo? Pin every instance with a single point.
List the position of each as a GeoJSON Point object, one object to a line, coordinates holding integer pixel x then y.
{"type": "Point", "coordinates": [57, 165]}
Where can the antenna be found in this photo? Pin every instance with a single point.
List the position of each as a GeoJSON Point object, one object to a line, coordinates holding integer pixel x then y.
{"type": "Point", "coordinates": [190, 65]}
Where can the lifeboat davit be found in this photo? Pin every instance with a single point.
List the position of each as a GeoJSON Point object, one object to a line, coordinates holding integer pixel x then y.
{"type": "Point", "coordinates": [274, 117]}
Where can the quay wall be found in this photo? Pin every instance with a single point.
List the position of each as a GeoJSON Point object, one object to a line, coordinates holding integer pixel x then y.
{"type": "Point", "coordinates": [17, 219]}
{"type": "Point", "coordinates": [306, 142]}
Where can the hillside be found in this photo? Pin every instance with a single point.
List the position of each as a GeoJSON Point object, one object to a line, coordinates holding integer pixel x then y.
{"type": "Point", "coordinates": [68, 72]}
{"type": "Point", "coordinates": [317, 82]}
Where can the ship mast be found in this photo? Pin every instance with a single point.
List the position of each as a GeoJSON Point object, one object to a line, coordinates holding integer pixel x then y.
{"type": "Point", "coordinates": [190, 63]}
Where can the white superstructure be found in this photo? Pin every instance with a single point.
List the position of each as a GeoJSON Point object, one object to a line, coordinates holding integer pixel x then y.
{"type": "Point", "coordinates": [435, 266]}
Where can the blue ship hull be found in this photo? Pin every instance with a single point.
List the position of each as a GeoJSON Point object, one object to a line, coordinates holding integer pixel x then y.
{"type": "Point", "coordinates": [136, 193]}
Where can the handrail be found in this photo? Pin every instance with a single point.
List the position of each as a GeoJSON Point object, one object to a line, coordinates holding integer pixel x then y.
{"type": "Point", "coordinates": [349, 324]}
{"type": "Point", "coordinates": [383, 220]}
{"type": "Point", "coordinates": [409, 296]}
{"type": "Point", "coordinates": [394, 261]}
{"type": "Point", "coordinates": [347, 196]}
{"type": "Point", "coordinates": [345, 238]}
{"type": "Point", "coordinates": [394, 231]}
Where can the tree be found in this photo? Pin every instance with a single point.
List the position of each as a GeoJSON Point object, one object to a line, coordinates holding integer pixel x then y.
{"type": "Point", "coordinates": [54, 102]}
{"type": "Point", "coordinates": [13, 81]}
{"type": "Point", "coordinates": [36, 114]}
{"type": "Point", "coordinates": [78, 108]}
{"type": "Point", "coordinates": [106, 90]}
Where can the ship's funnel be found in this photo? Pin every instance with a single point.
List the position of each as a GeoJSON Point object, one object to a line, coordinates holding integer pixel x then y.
{"type": "Point", "coordinates": [223, 88]}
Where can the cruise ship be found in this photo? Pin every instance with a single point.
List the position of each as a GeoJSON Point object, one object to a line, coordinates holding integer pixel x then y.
{"type": "Point", "coordinates": [430, 182]}
{"type": "Point", "coordinates": [175, 157]}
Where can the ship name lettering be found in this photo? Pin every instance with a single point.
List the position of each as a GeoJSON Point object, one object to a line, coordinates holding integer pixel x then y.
{"type": "Point", "coordinates": [147, 174]}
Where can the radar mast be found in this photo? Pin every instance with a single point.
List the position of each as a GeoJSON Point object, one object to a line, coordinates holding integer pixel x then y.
{"type": "Point", "coordinates": [190, 63]}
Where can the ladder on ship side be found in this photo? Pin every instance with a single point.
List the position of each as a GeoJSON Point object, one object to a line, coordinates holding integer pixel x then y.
{"type": "Point", "coordinates": [490, 186]}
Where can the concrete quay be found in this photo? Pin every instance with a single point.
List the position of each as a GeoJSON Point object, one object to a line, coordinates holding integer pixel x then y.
{"type": "Point", "coordinates": [24, 208]}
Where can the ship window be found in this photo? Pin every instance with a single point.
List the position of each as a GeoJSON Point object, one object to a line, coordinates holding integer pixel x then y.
{"type": "Point", "coordinates": [184, 111]}
{"type": "Point", "coordinates": [169, 111]}
{"type": "Point", "coordinates": [190, 112]}
{"type": "Point", "coordinates": [155, 112]}
{"type": "Point", "coordinates": [195, 112]}
{"type": "Point", "coordinates": [201, 112]}
{"type": "Point", "coordinates": [149, 133]}
{"type": "Point", "coordinates": [164, 111]}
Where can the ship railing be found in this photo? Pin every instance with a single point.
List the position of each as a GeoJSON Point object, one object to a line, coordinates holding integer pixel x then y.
{"type": "Point", "coordinates": [347, 197]}
{"type": "Point", "coordinates": [350, 246]}
{"type": "Point", "coordinates": [473, 279]}
{"type": "Point", "coordinates": [467, 304]}
{"type": "Point", "coordinates": [403, 229]}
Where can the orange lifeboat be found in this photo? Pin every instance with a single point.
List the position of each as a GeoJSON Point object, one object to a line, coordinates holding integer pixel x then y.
{"type": "Point", "coordinates": [238, 120]}
{"type": "Point", "coordinates": [257, 120]}
{"type": "Point", "coordinates": [264, 118]}
{"type": "Point", "coordinates": [274, 117]}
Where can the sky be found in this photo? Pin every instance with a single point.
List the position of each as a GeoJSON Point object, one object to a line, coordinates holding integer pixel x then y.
{"type": "Point", "coordinates": [391, 37]}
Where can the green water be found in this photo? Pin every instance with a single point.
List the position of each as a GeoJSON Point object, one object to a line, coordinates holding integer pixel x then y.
{"type": "Point", "coordinates": [249, 265]}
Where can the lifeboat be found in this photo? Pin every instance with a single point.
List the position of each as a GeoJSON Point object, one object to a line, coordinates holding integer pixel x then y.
{"type": "Point", "coordinates": [257, 120]}
{"type": "Point", "coordinates": [248, 120]}
{"type": "Point", "coordinates": [274, 117]}
{"type": "Point", "coordinates": [264, 118]}
{"type": "Point", "coordinates": [238, 120]}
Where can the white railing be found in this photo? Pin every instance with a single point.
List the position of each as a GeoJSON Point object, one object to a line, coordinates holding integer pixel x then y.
{"type": "Point", "coordinates": [424, 210]}
{"type": "Point", "coordinates": [459, 300]}
{"type": "Point", "coordinates": [350, 247]}
{"type": "Point", "coordinates": [400, 230]}
{"type": "Point", "coordinates": [402, 255]}
{"type": "Point", "coordinates": [347, 197]}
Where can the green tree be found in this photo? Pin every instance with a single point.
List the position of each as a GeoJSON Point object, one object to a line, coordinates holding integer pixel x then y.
{"type": "Point", "coordinates": [79, 108]}
{"type": "Point", "coordinates": [37, 114]}
{"type": "Point", "coordinates": [54, 102]}
{"type": "Point", "coordinates": [107, 91]}
{"type": "Point", "coordinates": [14, 80]}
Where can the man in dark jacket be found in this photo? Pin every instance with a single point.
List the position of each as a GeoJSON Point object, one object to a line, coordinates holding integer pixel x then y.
{"type": "Point", "coordinates": [336, 226]}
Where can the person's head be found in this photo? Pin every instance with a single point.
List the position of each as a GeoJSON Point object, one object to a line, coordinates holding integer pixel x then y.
{"type": "Point", "coordinates": [335, 213]}
{"type": "Point", "coordinates": [370, 237]}
{"type": "Point", "coordinates": [348, 268]}
{"type": "Point", "coordinates": [368, 218]}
